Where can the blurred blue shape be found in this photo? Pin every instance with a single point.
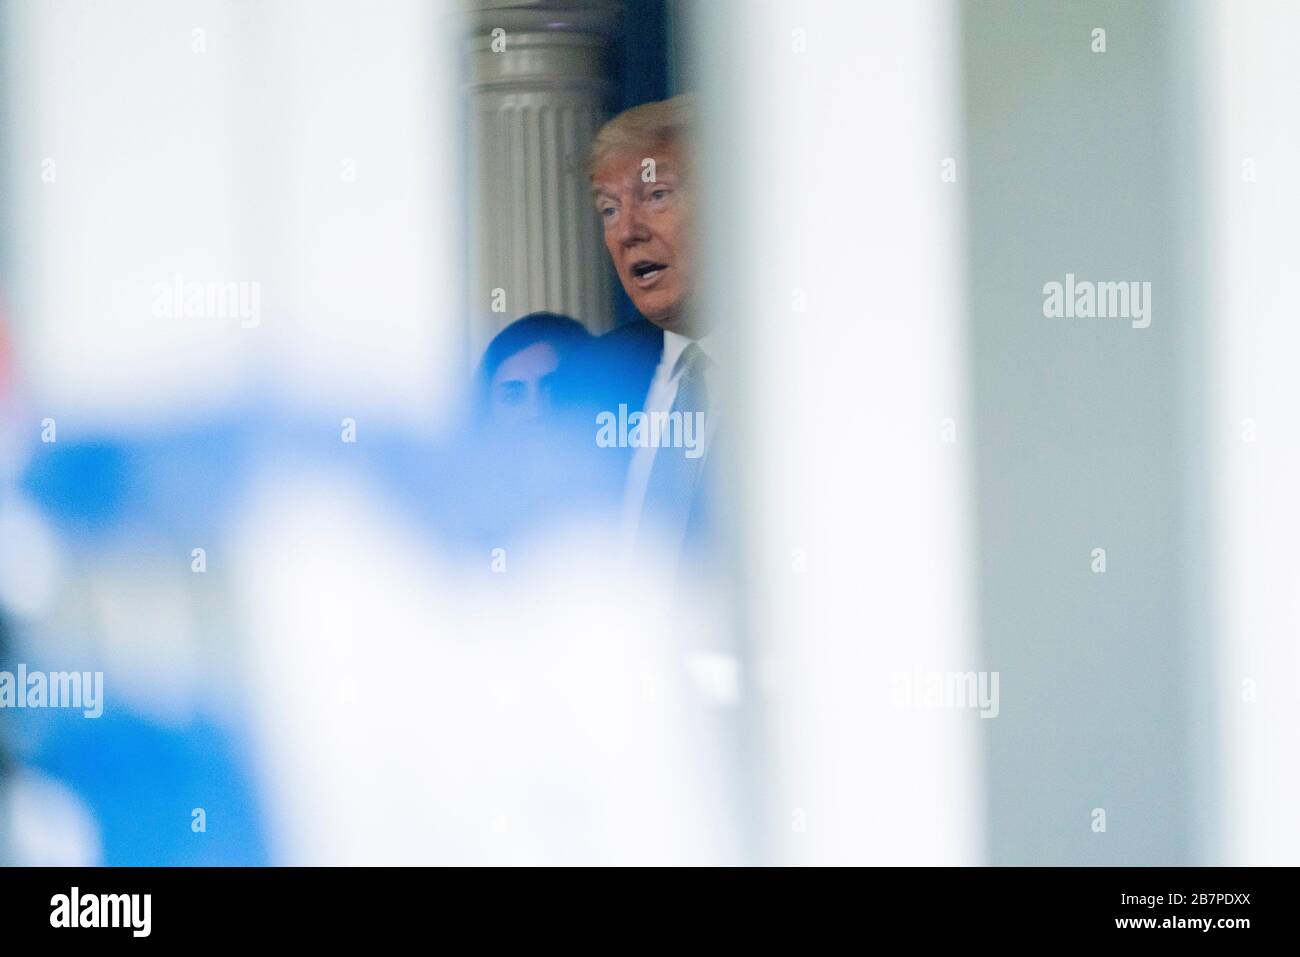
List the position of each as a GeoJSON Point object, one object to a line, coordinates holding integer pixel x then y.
{"type": "Point", "coordinates": [181, 482]}
{"type": "Point", "coordinates": [82, 487]}
{"type": "Point", "coordinates": [142, 783]}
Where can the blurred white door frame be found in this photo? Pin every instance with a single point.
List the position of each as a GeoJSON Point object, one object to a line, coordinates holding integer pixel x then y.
{"type": "Point", "coordinates": [1254, 145]}
{"type": "Point", "coordinates": [833, 252]}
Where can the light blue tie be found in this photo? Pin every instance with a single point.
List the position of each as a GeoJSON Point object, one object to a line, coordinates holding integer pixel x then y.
{"type": "Point", "coordinates": [674, 480]}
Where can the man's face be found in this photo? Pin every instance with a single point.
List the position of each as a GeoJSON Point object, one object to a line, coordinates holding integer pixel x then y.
{"type": "Point", "coordinates": [648, 234]}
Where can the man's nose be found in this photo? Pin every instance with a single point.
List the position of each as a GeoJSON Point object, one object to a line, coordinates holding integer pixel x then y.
{"type": "Point", "coordinates": [633, 228]}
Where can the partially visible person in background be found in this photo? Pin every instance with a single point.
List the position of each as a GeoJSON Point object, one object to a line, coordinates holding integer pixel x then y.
{"type": "Point", "coordinates": [518, 372]}
{"type": "Point", "coordinates": [521, 464]}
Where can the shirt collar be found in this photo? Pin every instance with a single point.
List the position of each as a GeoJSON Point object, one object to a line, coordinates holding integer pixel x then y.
{"type": "Point", "coordinates": [675, 344]}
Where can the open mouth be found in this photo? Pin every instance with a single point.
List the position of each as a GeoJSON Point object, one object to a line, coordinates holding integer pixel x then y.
{"type": "Point", "coordinates": [645, 272]}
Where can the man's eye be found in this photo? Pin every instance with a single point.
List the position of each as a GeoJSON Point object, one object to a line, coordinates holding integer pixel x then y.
{"type": "Point", "coordinates": [608, 212]}
{"type": "Point", "coordinates": [659, 194]}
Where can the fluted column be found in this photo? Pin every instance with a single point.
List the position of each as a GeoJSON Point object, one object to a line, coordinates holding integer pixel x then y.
{"type": "Point", "coordinates": [537, 95]}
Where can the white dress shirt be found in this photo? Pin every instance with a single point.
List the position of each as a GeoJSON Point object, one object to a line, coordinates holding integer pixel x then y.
{"type": "Point", "coordinates": [660, 398]}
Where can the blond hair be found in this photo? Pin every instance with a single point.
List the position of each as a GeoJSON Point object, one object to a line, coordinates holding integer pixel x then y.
{"type": "Point", "coordinates": [644, 129]}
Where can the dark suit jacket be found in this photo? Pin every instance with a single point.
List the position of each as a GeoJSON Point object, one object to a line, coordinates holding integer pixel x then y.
{"type": "Point", "coordinates": [610, 370]}
{"type": "Point", "coordinates": [616, 368]}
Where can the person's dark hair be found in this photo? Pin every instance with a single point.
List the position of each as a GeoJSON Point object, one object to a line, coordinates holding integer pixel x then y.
{"type": "Point", "coordinates": [563, 334]}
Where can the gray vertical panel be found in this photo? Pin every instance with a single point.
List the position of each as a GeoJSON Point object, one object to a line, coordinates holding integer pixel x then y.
{"type": "Point", "coordinates": [1083, 430]}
